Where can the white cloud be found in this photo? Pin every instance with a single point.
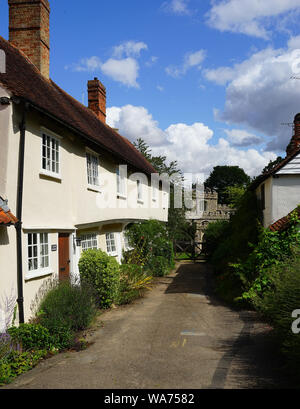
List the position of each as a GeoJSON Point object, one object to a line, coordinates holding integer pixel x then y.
{"type": "Point", "coordinates": [251, 17]}
{"type": "Point", "coordinates": [86, 64]}
{"type": "Point", "coordinates": [124, 71]}
{"type": "Point", "coordinates": [122, 67]}
{"type": "Point", "coordinates": [241, 138]}
{"type": "Point", "coordinates": [260, 93]}
{"type": "Point", "coordinates": [135, 122]}
{"type": "Point", "coordinates": [129, 49]}
{"type": "Point", "coordinates": [152, 61]}
{"type": "Point", "coordinates": [190, 145]}
{"type": "Point", "coordinates": [179, 7]}
{"type": "Point", "coordinates": [191, 60]}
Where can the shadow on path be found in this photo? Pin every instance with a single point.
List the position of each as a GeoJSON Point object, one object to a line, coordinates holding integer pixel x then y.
{"type": "Point", "coordinates": [250, 358]}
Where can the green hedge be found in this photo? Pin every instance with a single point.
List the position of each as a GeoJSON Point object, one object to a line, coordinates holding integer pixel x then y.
{"type": "Point", "coordinates": [102, 272]}
{"type": "Point", "coordinates": [279, 301]}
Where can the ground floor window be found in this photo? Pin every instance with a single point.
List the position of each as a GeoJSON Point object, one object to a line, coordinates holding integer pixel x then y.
{"type": "Point", "coordinates": [38, 251]}
{"type": "Point", "coordinates": [89, 241]}
{"type": "Point", "coordinates": [111, 243]}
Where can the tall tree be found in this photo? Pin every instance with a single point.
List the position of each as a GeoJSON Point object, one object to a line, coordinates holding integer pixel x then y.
{"type": "Point", "coordinates": [224, 176]}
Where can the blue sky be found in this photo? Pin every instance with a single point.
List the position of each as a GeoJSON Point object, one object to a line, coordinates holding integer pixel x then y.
{"type": "Point", "coordinates": [204, 82]}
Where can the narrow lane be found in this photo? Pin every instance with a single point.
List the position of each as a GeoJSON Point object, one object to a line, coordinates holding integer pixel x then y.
{"type": "Point", "coordinates": [178, 336]}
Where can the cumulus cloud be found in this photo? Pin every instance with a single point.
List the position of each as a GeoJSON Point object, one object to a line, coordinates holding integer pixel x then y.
{"type": "Point", "coordinates": [129, 48]}
{"type": "Point", "coordinates": [261, 94]}
{"type": "Point", "coordinates": [122, 67]}
{"type": "Point", "coordinates": [190, 145]}
{"type": "Point", "coordinates": [241, 138]}
{"type": "Point", "coordinates": [191, 60]}
{"type": "Point", "coordinates": [179, 7]}
{"type": "Point", "coordinates": [250, 17]}
{"type": "Point", "coordinates": [124, 71]}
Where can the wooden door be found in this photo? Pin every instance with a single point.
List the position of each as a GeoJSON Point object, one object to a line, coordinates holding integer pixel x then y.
{"type": "Point", "coordinates": [64, 256]}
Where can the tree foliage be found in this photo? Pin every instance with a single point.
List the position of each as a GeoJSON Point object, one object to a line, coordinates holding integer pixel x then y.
{"type": "Point", "coordinates": [224, 176]}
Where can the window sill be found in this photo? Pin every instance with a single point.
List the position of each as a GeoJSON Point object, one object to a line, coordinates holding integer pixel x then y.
{"type": "Point", "coordinates": [94, 188]}
{"type": "Point", "coordinates": [50, 175]}
{"type": "Point", "coordinates": [38, 274]}
{"type": "Point", "coordinates": [140, 201]}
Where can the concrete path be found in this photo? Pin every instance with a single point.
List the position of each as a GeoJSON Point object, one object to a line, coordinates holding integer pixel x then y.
{"type": "Point", "coordinates": [178, 336]}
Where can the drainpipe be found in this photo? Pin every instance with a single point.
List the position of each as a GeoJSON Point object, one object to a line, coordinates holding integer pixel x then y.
{"type": "Point", "coordinates": [18, 225]}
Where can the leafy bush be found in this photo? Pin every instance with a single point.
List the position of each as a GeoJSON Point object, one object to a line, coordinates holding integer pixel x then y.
{"type": "Point", "coordinates": [133, 282]}
{"type": "Point", "coordinates": [279, 301]}
{"type": "Point", "coordinates": [214, 234]}
{"type": "Point", "coordinates": [272, 248]}
{"type": "Point", "coordinates": [31, 336]}
{"type": "Point", "coordinates": [65, 309]}
{"type": "Point", "coordinates": [153, 248]}
{"type": "Point", "coordinates": [17, 363]}
{"type": "Point", "coordinates": [102, 272]}
{"type": "Point", "coordinates": [234, 244]}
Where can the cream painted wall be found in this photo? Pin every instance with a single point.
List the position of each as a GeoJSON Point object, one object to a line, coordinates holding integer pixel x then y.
{"type": "Point", "coordinates": [286, 195]}
{"type": "Point", "coordinates": [282, 196]}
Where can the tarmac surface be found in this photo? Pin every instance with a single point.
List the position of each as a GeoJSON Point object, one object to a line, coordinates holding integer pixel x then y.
{"type": "Point", "coordinates": [180, 336]}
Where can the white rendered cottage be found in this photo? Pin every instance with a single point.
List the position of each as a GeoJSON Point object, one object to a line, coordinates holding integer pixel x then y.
{"type": "Point", "coordinates": [68, 182]}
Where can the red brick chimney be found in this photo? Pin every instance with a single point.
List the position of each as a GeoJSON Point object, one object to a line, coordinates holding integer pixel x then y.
{"type": "Point", "coordinates": [294, 145]}
{"type": "Point", "coordinates": [29, 31]}
{"type": "Point", "coordinates": [97, 98]}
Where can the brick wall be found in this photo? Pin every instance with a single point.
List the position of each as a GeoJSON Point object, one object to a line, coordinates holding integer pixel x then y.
{"type": "Point", "coordinates": [29, 31]}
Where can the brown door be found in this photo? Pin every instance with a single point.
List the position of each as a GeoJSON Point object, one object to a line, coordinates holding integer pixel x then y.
{"type": "Point", "coordinates": [64, 256]}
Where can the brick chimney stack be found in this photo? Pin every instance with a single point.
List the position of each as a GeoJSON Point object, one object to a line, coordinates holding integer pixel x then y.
{"type": "Point", "coordinates": [97, 98]}
{"type": "Point", "coordinates": [295, 141]}
{"type": "Point", "coordinates": [29, 31]}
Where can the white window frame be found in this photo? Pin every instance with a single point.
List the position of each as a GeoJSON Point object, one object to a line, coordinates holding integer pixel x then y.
{"type": "Point", "coordinates": [121, 184]}
{"type": "Point", "coordinates": [111, 241]}
{"type": "Point", "coordinates": [90, 240]}
{"type": "Point", "coordinates": [95, 172]}
{"type": "Point", "coordinates": [56, 140]}
{"type": "Point", "coordinates": [40, 245]}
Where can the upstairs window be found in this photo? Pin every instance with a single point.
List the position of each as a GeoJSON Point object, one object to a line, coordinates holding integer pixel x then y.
{"type": "Point", "coordinates": [50, 154]}
{"type": "Point", "coordinates": [121, 187]}
{"type": "Point", "coordinates": [92, 169]}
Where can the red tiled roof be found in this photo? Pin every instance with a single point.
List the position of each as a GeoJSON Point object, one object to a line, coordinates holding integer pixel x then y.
{"type": "Point", "coordinates": [283, 223]}
{"type": "Point", "coordinates": [7, 218]}
{"type": "Point", "coordinates": [25, 81]}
